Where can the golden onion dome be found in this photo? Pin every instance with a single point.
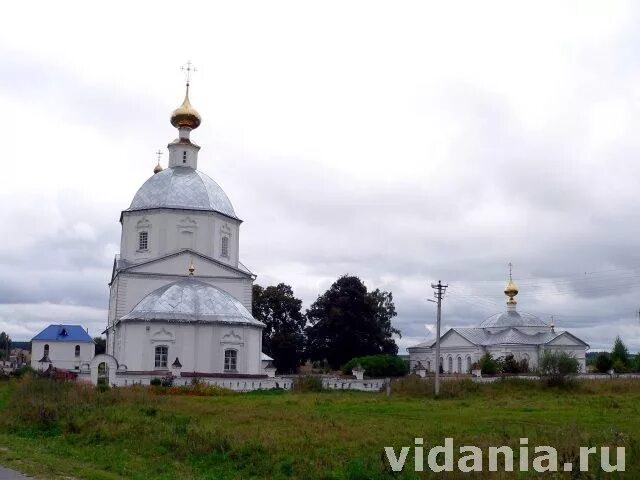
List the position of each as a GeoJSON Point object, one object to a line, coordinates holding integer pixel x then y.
{"type": "Point", "coordinates": [511, 290]}
{"type": "Point", "coordinates": [157, 168]}
{"type": "Point", "coordinates": [185, 116]}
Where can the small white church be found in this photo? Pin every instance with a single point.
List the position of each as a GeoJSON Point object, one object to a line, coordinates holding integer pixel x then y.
{"type": "Point", "coordinates": [521, 334]}
{"type": "Point", "coordinates": [180, 298]}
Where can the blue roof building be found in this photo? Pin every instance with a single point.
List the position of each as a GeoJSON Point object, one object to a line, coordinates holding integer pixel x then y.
{"type": "Point", "coordinates": [65, 347]}
{"type": "Point", "coordinates": [63, 333]}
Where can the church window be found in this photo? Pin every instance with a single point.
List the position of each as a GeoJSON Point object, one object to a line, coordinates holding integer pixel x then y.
{"type": "Point", "coordinates": [230, 360]}
{"type": "Point", "coordinates": [77, 350]}
{"type": "Point", "coordinates": [459, 364]}
{"type": "Point", "coordinates": [450, 369]}
{"type": "Point", "coordinates": [162, 353]}
{"type": "Point", "coordinates": [224, 247]}
{"type": "Point", "coordinates": [46, 349]}
{"type": "Point", "coordinates": [143, 240]}
{"type": "Point", "coordinates": [184, 157]}
{"type": "Point", "coordinates": [468, 363]}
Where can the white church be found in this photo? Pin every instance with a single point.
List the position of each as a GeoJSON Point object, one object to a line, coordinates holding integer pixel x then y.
{"type": "Point", "coordinates": [521, 334]}
{"type": "Point", "coordinates": [180, 298]}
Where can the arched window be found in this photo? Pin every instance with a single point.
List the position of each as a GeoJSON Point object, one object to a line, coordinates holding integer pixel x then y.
{"type": "Point", "coordinates": [143, 240]}
{"type": "Point", "coordinates": [441, 367]}
{"type": "Point", "coordinates": [230, 360]}
{"type": "Point", "coordinates": [162, 353]}
{"type": "Point", "coordinates": [224, 247]}
{"type": "Point", "coordinates": [428, 365]}
{"type": "Point", "coordinates": [77, 350]}
{"type": "Point", "coordinates": [450, 370]}
{"type": "Point", "coordinates": [468, 363]}
{"type": "Point", "coordinates": [184, 156]}
{"type": "Point", "coordinates": [459, 364]}
{"type": "Point", "coordinates": [46, 349]}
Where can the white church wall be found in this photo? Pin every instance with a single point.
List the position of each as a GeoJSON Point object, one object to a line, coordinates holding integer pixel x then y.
{"type": "Point", "coordinates": [199, 347]}
{"type": "Point", "coordinates": [172, 230]}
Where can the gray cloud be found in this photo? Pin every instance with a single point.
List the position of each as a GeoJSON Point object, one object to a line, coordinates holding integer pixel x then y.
{"type": "Point", "coordinates": [419, 161]}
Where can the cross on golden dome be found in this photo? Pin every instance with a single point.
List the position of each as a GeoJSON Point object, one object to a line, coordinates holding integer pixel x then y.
{"type": "Point", "coordinates": [511, 290]}
{"type": "Point", "coordinates": [185, 116]}
{"type": "Point", "coordinates": [158, 167]}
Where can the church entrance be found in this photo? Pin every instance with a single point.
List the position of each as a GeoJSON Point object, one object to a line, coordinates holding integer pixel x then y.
{"type": "Point", "coordinates": [103, 374]}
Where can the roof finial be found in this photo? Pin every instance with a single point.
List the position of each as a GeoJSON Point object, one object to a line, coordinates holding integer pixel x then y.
{"type": "Point", "coordinates": [192, 267]}
{"type": "Point", "coordinates": [185, 116]}
{"type": "Point", "coordinates": [511, 290]}
{"type": "Point", "coordinates": [158, 167]}
{"type": "Point", "coordinates": [187, 68]}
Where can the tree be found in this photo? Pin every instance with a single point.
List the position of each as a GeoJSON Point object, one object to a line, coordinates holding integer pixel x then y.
{"type": "Point", "coordinates": [347, 321]}
{"type": "Point", "coordinates": [101, 345]}
{"type": "Point", "coordinates": [488, 365]}
{"type": "Point", "coordinates": [557, 368]}
{"type": "Point", "coordinates": [5, 345]}
{"type": "Point", "coordinates": [378, 366]}
{"type": "Point", "coordinates": [620, 355]}
{"type": "Point", "coordinates": [603, 362]}
{"type": "Point", "coordinates": [283, 335]}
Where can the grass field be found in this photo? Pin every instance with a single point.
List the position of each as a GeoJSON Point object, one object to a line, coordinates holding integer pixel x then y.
{"type": "Point", "coordinates": [57, 430]}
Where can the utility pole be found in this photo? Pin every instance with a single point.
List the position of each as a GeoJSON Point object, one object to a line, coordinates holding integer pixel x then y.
{"type": "Point", "coordinates": [438, 292]}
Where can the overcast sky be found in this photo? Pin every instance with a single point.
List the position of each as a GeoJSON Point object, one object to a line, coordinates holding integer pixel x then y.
{"type": "Point", "coordinates": [403, 142]}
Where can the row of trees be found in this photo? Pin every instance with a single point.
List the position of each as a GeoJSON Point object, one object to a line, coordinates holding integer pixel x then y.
{"type": "Point", "coordinates": [619, 359]}
{"type": "Point", "coordinates": [344, 322]}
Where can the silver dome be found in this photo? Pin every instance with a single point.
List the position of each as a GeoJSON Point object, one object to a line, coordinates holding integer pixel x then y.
{"type": "Point", "coordinates": [190, 300]}
{"type": "Point", "coordinates": [182, 187]}
{"type": "Point", "coordinates": [513, 319]}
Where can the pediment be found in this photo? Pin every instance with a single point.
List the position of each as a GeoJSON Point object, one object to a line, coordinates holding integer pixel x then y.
{"type": "Point", "coordinates": [454, 339]}
{"type": "Point", "coordinates": [162, 335]}
{"type": "Point", "coordinates": [567, 339]}
{"type": "Point", "coordinates": [178, 264]}
{"type": "Point", "coordinates": [232, 337]}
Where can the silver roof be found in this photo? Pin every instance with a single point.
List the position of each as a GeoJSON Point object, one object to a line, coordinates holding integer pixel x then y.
{"type": "Point", "coordinates": [480, 336]}
{"type": "Point", "coordinates": [513, 319]}
{"type": "Point", "coordinates": [191, 300]}
{"type": "Point", "coordinates": [508, 336]}
{"type": "Point", "coordinates": [182, 187]}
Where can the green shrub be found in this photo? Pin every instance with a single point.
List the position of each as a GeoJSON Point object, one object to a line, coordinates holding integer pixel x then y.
{"type": "Point", "coordinates": [558, 368]}
{"type": "Point", "coordinates": [307, 383]}
{"type": "Point", "coordinates": [603, 362]}
{"type": "Point", "coordinates": [619, 367]}
{"type": "Point", "coordinates": [156, 382]}
{"type": "Point", "coordinates": [379, 366]}
{"type": "Point", "coordinates": [488, 365]}
{"type": "Point", "coordinates": [513, 366]}
{"type": "Point", "coordinates": [19, 372]}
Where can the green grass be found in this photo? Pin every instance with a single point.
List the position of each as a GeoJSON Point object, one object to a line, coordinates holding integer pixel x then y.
{"type": "Point", "coordinates": [57, 430]}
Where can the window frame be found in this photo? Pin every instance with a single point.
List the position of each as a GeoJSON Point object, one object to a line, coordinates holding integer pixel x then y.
{"type": "Point", "coordinates": [46, 349]}
{"type": "Point", "coordinates": [232, 365]}
{"type": "Point", "coordinates": [143, 234]}
{"type": "Point", "coordinates": [161, 356]}
{"type": "Point", "coordinates": [77, 351]}
{"type": "Point", "coordinates": [224, 246]}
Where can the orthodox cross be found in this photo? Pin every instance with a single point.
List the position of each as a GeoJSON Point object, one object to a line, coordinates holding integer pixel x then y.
{"type": "Point", "coordinates": [510, 268]}
{"type": "Point", "coordinates": [187, 68]}
{"type": "Point", "coordinates": [159, 154]}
